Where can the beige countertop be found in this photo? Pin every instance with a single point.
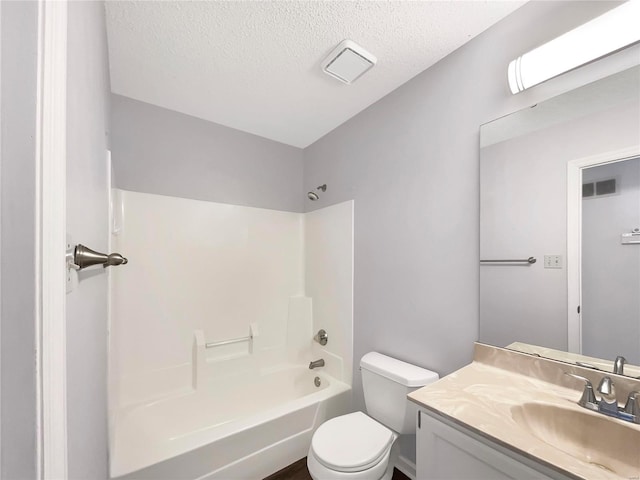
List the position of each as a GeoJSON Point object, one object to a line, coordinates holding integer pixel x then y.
{"type": "Point", "coordinates": [482, 396]}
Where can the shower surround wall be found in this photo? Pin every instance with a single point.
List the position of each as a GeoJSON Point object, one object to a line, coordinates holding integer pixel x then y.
{"type": "Point", "coordinates": [220, 269]}
{"type": "Point", "coordinates": [329, 282]}
{"type": "Point", "coordinates": [202, 266]}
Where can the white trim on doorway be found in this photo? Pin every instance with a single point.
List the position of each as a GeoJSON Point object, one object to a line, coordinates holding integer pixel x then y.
{"type": "Point", "coordinates": [574, 235]}
{"type": "Point", "coordinates": [51, 239]}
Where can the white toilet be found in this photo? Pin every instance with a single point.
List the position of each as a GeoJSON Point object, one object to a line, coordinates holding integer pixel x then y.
{"type": "Point", "coordinates": [357, 446]}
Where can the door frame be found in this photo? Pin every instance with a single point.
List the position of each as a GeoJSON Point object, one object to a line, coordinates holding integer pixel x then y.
{"type": "Point", "coordinates": [51, 136]}
{"type": "Point", "coordinates": [574, 235]}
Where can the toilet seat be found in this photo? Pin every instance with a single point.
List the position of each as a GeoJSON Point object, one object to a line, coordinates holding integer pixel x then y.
{"type": "Point", "coordinates": [351, 443]}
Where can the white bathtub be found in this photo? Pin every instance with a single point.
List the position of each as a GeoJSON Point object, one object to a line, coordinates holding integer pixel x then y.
{"type": "Point", "coordinates": [245, 428]}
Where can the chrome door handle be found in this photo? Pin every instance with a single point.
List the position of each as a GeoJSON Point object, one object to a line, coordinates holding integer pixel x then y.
{"type": "Point", "coordinates": [84, 257]}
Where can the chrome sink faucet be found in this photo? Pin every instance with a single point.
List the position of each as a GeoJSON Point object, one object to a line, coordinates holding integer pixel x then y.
{"type": "Point", "coordinates": [608, 403]}
{"type": "Point", "coordinates": [316, 364]}
{"type": "Point", "coordinates": [632, 406]}
{"type": "Point", "coordinates": [588, 398]}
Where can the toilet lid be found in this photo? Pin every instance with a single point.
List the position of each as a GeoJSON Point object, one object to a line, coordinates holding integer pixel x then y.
{"type": "Point", "coordinates": [351, 443]}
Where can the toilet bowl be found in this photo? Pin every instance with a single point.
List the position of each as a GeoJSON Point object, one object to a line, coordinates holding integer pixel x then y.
{"type": "Point", "coordinates": [352, 446]}
{"type": "Point", "coordinates": [357, 446]}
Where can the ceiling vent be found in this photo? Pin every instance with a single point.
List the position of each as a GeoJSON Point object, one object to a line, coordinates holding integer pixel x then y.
{"type": "Point", "coordinates": [348, 62]}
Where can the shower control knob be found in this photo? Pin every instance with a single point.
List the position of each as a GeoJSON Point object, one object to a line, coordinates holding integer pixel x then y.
{"type": "Point", "coordinates": [321, 337]}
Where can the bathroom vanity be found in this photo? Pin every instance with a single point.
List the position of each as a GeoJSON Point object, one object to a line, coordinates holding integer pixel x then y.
{"type": "Point", "coordinates": [447, 450]}
{"type": "Point", "coordinates": [511, 415]}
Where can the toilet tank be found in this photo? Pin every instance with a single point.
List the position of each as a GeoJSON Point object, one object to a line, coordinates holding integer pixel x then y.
{"type": "Point", "coordinates": [386, 382]}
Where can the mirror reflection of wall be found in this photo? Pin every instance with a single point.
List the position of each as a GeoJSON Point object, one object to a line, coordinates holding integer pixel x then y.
{"type": "Point", "coordinates": [611, 268]}
{"type": "Point", "coordinates": [524, 161]}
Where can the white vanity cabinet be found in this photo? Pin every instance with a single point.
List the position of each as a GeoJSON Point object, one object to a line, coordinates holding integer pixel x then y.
{"type": "Point", "coordinates": [447, 451]}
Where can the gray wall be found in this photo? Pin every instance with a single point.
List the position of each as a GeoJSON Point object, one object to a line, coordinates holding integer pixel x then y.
{"type": "Point", "coordinates": [87, 213]}
{"type": "Point", "coordinates": [410, 161]}
{"type": "Point", "coordinates": [18, 296]}
{"type": "Point", "coordinates": [168, 153]}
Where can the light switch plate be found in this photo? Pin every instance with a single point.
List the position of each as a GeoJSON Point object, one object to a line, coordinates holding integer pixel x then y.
{"type": "Point", "coordinates": [553, 261]}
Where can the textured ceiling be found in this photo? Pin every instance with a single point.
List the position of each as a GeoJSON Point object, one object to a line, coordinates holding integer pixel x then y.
{"type": "Point", "coordinates": [255, 65]}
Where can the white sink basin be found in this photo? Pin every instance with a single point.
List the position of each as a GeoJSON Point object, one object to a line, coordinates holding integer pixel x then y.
{"type": "Point", "coordinates": [591, 437]}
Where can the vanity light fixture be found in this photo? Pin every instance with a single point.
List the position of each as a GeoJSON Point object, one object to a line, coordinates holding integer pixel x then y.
{"type": "Point", "coordinates": [612, 31]}
{"type": "Point", "coordinates": [348, 62]}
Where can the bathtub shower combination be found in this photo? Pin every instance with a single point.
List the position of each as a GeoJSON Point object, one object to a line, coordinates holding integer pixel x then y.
{"type": "Point", "coordinates": [209, 360]}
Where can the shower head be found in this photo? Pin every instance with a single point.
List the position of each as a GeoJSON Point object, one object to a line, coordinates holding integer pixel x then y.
{"type": "Point", "coordinates": [313, 196]}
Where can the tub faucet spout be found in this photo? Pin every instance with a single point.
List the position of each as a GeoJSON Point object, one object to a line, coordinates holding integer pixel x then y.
{"type": "Point", "coordinates": [316, 364]}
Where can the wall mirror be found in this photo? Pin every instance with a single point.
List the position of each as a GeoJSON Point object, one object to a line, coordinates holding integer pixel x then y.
{"type": "Point", "coordinates": [560, 226]}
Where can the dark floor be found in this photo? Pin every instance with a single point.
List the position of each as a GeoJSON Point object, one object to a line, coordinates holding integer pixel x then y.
{"type": "Point", "coordinates": [298, 471]}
